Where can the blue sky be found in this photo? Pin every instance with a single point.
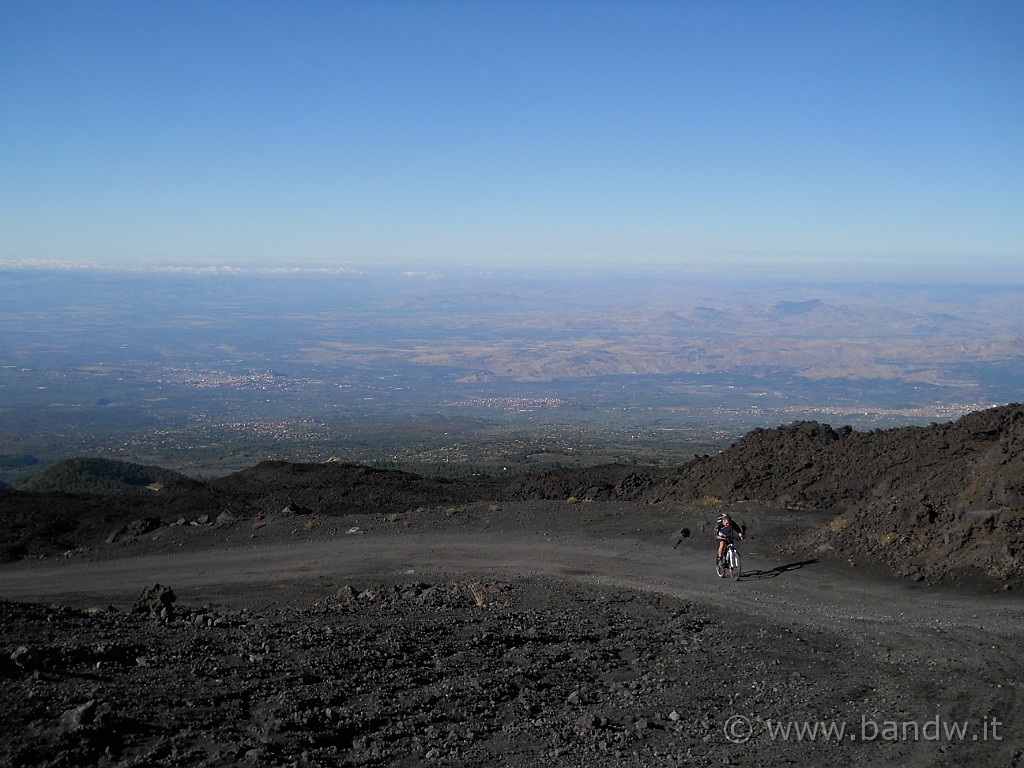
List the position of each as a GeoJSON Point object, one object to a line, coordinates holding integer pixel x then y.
{"type": "Point", "coordinates": [865, 134]}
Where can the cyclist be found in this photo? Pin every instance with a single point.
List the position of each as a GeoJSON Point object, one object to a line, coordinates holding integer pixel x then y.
{"type": "Point", "coordinates": [726, 529]}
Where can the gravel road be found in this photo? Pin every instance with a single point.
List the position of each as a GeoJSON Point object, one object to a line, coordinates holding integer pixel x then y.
{"type": "Point", "coordinates": [512, 636]}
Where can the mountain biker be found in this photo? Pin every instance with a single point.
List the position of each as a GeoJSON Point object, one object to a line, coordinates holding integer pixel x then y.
{"type": "Point", "coordinates": [726, 529]}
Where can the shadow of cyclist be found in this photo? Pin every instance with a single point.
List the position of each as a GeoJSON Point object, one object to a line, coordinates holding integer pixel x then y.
{"type": "Point", "coordinates": [778, 570]}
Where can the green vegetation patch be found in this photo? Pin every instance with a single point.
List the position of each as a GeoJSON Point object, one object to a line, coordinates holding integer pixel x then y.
{"type": "Point", "coordinates": [105, 477]}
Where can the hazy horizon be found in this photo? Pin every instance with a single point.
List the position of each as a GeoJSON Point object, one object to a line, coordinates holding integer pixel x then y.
{"type": "Point", "coordinates": [1003, 273]}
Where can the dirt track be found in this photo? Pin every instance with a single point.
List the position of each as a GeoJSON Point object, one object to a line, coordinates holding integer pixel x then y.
{"type": "Point", "coordinates": [518, 636]}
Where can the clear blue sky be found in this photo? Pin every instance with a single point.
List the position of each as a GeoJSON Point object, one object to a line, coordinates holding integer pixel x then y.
{"type": "Point", "coordinates": [512, 132]}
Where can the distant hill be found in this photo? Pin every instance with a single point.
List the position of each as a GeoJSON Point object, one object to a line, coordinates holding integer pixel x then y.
{"type": "Point", "coordinates": [340, 488]}
{"type": "Point", "coordinates": [103, 477]}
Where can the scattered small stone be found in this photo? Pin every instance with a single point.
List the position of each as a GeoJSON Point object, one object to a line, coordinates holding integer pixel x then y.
{"type": "Point", "coordinates": [133, 530]}
{"type": "Point", "coordinates": [27, 658]}
{"type": "Point", "coordinates": [75, 718]}
{"type": "Point", "coordinates": [156, 601]}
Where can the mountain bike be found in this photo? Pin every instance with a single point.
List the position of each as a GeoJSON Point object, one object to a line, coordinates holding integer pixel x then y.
{"type": "Point", "coordinates": [730, 562]}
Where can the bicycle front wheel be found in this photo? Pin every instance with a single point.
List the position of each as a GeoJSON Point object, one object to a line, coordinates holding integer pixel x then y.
{"type": "Point", "coordinates": [734, 564]}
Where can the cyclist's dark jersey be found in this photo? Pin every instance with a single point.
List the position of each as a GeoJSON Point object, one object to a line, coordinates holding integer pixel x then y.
{"type": "Point", "coordinates": [732, 532]}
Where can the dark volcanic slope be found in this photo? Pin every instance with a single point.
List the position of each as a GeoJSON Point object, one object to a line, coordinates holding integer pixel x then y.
{"type": "Point", "coordinates": [44, 524]}
{"type": "Point", "coordinates": [976, 462]}
{"type": "Point", "coordinates": [338, 488]}
{"type": "Point", "coordinates": [522, 673]}
{"type": "Point", "coordinates": [932, 502]}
